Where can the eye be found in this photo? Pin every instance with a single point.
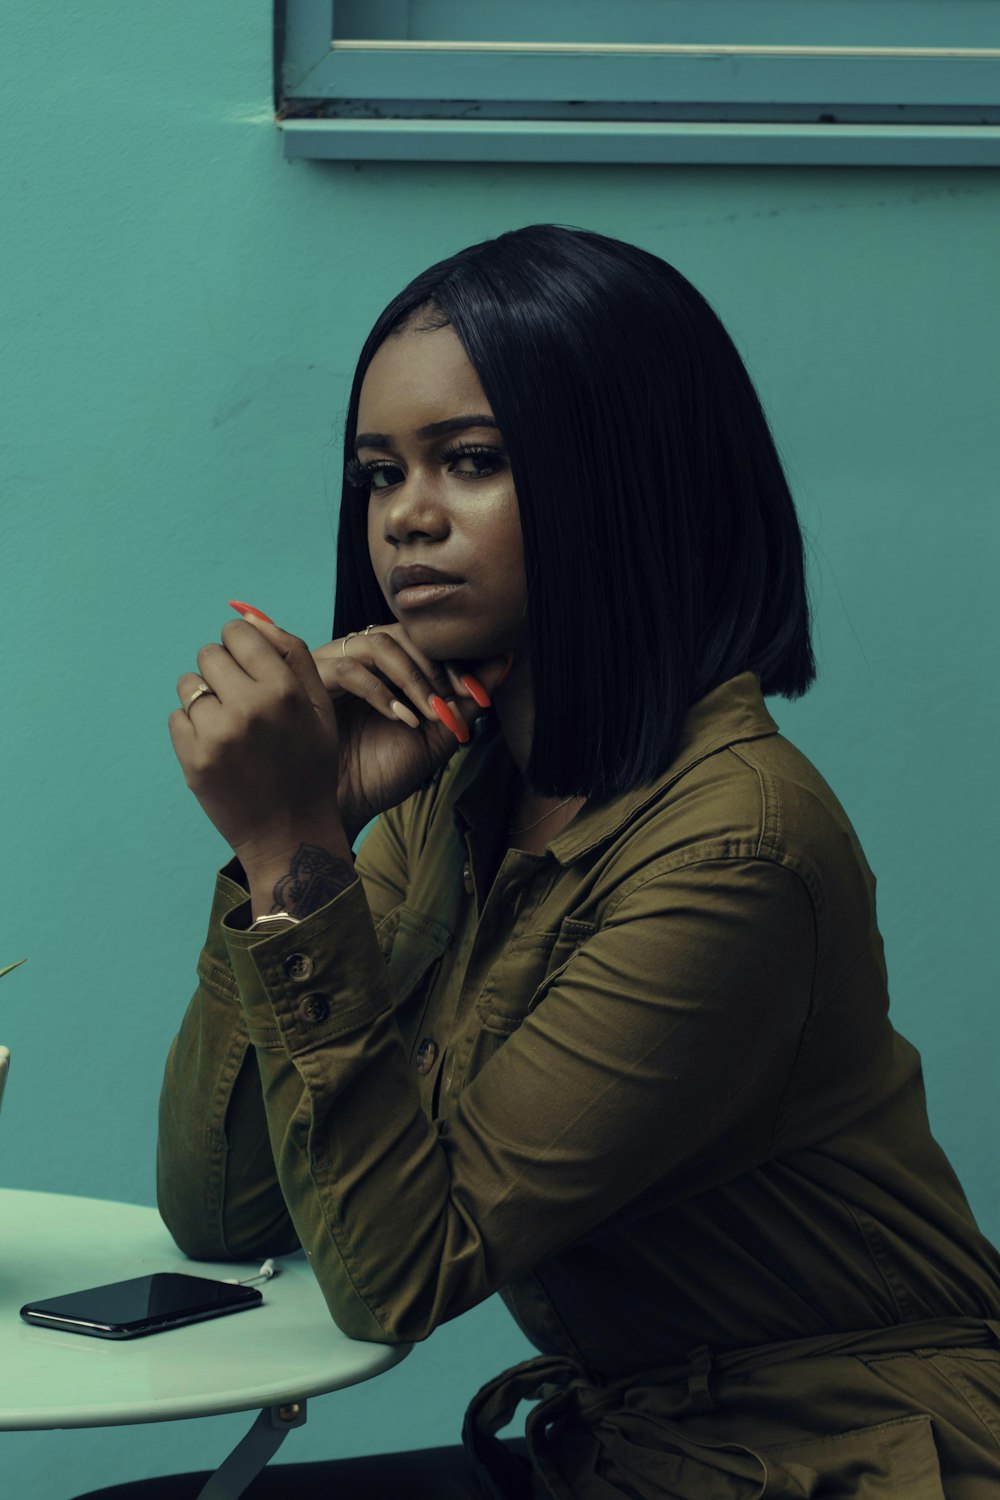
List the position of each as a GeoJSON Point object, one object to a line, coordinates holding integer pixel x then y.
{"type": "Point", "coordinates": [363, 476]}
{"type": "Point", "coordinates": [486, 460]}
{"type": "Point", "coordinates": [477, 459]}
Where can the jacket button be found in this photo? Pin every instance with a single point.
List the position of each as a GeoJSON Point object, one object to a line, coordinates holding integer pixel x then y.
{"type": "Point", "coordinates": [467, 877]}
{"type": "Point", "coordinates": [426, 1053]}
{"type": "Point", "coordinates": [314, 1008]}
{"type": "Point", "coordinates": [299, 966]}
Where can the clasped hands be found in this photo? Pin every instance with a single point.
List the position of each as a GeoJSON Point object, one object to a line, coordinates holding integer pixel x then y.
{"type": "Point", "coordinates": [293, 746]}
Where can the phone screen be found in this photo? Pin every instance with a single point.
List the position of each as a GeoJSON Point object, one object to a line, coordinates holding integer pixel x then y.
{"type": "Point", "coordinates": [145, 1304]}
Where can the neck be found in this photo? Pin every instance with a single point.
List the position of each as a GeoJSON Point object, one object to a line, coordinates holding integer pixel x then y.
{"type": "Point", "coordinates": [513, 706]}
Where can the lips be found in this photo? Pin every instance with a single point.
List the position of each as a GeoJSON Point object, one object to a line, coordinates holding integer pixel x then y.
{"type": "Point", "coordinates": [407, 577]}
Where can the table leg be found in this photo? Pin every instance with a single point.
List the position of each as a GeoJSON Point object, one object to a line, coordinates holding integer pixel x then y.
{"type": "Point", "coordinates": [253, 1451]}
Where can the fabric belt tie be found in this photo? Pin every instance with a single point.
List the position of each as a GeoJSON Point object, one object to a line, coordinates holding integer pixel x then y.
{"type": "Point", "coordinates": [626, 1408]}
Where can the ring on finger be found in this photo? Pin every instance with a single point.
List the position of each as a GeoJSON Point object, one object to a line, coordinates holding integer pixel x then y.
{"type": "Point", "coordinates": [198, 693]}
{"type": "Point", "coordinates": [343, 644]}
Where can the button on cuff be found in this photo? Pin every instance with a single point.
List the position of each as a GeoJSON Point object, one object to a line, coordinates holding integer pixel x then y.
{"type": "Point", "coordinates": [299, 967]}
{"type": "Point", "coordinates": [313, 1009]}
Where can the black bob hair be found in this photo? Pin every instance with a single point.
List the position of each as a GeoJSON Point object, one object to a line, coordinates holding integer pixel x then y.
{"type": "Point", "coordinates": [662, 550]}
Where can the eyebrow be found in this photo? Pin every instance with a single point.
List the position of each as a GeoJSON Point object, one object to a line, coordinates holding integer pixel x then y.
{"type": "Point", "coordinates": [435, 429]}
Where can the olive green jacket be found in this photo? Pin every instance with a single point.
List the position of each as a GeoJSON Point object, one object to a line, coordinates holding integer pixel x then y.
{"type": "Point", "coordinates": [644, 1086]}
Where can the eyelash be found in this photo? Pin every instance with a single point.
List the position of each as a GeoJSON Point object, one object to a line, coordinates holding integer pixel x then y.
{"type": "Point", "coordinates": [360, 474]}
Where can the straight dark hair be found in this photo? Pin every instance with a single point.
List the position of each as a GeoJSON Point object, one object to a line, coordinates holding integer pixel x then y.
{"type": "Point", "coordinates": [662, 550]}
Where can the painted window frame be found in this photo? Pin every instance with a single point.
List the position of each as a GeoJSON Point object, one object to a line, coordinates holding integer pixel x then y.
{"type": "Point", "coordinates": [554, 102]}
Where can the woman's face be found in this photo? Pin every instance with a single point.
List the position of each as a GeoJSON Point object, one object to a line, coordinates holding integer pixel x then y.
{"type": "Point", "coordinates": [441, 499]}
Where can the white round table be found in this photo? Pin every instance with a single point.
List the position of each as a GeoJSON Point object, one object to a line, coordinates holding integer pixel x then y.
{"type": "Point", "coordinates": [271, 1357]}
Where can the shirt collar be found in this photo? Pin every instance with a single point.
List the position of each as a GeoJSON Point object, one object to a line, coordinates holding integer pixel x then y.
{"type": "Point", "coordinates": [732, 711]}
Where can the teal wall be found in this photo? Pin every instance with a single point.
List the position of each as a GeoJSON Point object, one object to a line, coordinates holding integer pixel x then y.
{"type": "Point", "coordinates": [183, 310]}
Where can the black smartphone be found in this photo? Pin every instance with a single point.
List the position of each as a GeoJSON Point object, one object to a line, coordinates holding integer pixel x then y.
{"type": "Point", "coordinates": [146, 1304]}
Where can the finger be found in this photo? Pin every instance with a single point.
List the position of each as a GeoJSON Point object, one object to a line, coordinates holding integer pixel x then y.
{"type": "Point", "coordinates": [376, 673]}
{"type": "Point", "coordinates": [182, 735]}
{"type": "Point", "coordinates": [271, 656]}
{"type": "Point", "coordinates": [338, 681]}
{"type": "Point", "coordinates": [450, 712]}
{"type": "Point", "coordinates": [474, 682]}
{"type": "Point", "coordinates": [480, 679]}
{"type": "Point", "coordinates": [458, 687]}
{"type": "Point", "coordinates": [356, 680]}
{"type": "Point", "coordinates": [421, 677]}
{"type": "Point", "coordinates": [227, 677]}
{"type": "Point", "coordinates": [189, 686]}
{"type": "Point", "coordinates": [461, 696]}
{"type": "Point", "coordinates": [468, 685]}
{"type": "Point", "coordinates": [400, 663]}
{"type": "Point", "coordinates": [261, 650]}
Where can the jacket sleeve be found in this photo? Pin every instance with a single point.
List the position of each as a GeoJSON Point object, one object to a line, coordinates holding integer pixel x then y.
{"type": "Point", "coordinates": [658, 1055]}
{"type": "Point", "coordinates": [216, 1185]}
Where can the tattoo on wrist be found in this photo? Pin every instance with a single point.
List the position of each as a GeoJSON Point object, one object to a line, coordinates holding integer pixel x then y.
{"type": "Point", "coordinates": [316, 876]}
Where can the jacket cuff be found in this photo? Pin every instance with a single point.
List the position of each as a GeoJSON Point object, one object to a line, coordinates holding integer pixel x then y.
{"type": "Point", "coordinates": [319, 980]}
{"type": "Point", "coordinates": [232, 879]}
{"type": "Point", "coordinates": [213, 962]}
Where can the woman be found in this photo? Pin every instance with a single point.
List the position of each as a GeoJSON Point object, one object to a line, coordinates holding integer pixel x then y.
{"type": "Point", "coordinates": [598, 1020]}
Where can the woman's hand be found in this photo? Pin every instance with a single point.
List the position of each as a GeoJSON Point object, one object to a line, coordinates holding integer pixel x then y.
{"type": "Point", "coordinates": [385, 755]}
{"type": "Point", "coordinates": [261, 751]}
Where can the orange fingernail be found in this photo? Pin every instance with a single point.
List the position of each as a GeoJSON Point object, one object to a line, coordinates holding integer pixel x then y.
{"type": "Point", "coordinates": [477, 690]}
{"type": "Point", "coordinates": [248, 609]}
{"type": "Point", "coordinates": [449, 720]}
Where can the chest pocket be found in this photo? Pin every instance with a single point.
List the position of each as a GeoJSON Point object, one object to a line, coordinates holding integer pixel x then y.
{"type": "Point", "coordinates": [412, 945]}
{"type": "Point", "coordinates": [526, 968]}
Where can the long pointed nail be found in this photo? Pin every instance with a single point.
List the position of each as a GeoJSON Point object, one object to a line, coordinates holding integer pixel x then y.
{"type": "Point", "coordinates": [404, 713]}
{"type": "Point", "coordinates": [248, 609]}
{"type": "Point", "coordinates": [474, 686]}
{"type": "Point", "coordinates": [450, 720]}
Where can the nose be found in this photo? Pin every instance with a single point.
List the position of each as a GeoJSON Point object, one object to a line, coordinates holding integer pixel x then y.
{"type": "Point", "coordinates": [414, 512]}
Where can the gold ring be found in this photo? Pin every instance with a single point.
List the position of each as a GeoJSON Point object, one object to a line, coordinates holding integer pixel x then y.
{"type": "Point", "coordinates": [197, 694]}
{"type": "Point", "coordinates": [343, 644]}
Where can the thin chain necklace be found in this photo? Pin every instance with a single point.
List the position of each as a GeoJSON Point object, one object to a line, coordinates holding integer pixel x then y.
{"type": "Point", "coordinates": [539, 820]}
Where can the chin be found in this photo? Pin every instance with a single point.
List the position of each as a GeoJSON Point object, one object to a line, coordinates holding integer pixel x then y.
{"type": "Point", "coordinates": [449, 640]}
